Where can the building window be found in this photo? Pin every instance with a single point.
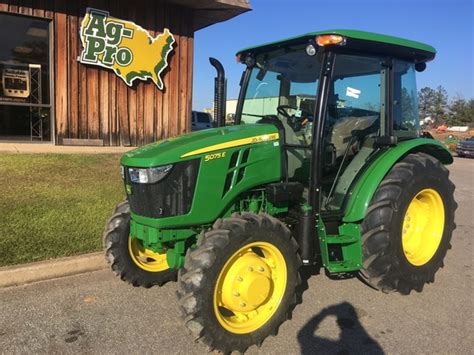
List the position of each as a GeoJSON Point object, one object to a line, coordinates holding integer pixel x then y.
{"type": "Point", "coordinates": [25, 91]}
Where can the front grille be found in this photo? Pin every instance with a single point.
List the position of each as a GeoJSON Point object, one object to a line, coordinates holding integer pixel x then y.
{"type": "Point", "coordinates": [466, 147]}
{"type": "Point", "coordinates": [171, 196]}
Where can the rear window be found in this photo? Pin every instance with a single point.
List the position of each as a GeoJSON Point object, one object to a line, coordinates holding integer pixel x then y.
{"type": "Point", "coordinates": [202, 117]}
{"type": "Point", "coordinates": [406, 122]}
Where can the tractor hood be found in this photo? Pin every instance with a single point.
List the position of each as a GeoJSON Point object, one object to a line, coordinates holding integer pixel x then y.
{"type": "Point", "coordinates": [193, 145]}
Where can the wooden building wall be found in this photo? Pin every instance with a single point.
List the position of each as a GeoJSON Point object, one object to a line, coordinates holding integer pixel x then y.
{"type": "Point", "coordinates": [94, 103]}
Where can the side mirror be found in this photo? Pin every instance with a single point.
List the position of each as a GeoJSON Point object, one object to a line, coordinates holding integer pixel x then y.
{"type": "Point", "coordinates": [419, 67]}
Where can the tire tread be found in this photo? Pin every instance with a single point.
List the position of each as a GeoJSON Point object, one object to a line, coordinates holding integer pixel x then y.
{"type": "Point", "coordinates": [380, 270]}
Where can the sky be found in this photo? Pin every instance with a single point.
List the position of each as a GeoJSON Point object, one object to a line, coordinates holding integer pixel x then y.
{"type": "Point", "coordinates": [446, 25]}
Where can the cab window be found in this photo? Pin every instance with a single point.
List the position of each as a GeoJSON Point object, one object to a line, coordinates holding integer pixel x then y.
{"type": "Point", "coordinates": [406, 122]}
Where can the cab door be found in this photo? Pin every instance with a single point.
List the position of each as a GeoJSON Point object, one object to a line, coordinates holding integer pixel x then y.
{"type": "Point", "coordinates": [353, 120]}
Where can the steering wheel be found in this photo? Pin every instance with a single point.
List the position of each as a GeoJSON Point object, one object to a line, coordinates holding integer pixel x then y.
{"type": "Point", "coordinates": [295, 122]}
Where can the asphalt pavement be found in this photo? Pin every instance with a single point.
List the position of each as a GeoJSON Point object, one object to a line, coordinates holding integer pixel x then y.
{"type": "Point", "coordinates": [97, 313]}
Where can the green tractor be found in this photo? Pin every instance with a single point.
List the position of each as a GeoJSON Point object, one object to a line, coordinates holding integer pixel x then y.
{"type": "Point", "coordinates": [329, 169]}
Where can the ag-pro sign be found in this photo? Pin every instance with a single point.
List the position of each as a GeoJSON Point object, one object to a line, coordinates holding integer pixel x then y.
{"type": "Point", "coordinates": [124, 47]}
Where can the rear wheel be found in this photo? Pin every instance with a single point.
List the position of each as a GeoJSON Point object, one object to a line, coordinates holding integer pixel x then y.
{"type": "Point", "coordinates": [127, 256]}
{"type": "Point", "coordinates": [240, 283]}
{"type": "Point", "coordinates": [407, 230]}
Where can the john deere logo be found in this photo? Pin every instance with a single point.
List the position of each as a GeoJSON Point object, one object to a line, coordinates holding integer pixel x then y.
{"type": "Point", "coordinates": [124, 47]}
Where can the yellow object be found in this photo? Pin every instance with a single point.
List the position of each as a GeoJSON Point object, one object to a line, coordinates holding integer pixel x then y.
{"type": "Point", "coordinates": [325, 40]}
{"type": "Point", "coordinates": [250, 287]}
{"type": "Point", "coordinates": [146, 259]}
{"type": "Point", "coordinates": [234, 143]}
{"type": "Point", "coordinates": [423, 227]}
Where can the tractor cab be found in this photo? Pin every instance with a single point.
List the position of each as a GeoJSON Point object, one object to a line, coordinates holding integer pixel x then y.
{"type": "Point", "coordinates": [354, 91]}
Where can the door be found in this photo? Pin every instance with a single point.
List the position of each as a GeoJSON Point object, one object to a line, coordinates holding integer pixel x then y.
{"type": "Point", "coordinates": [355, 106]}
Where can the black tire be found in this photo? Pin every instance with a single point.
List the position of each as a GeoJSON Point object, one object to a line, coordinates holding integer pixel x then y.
{"type": "Point", "coordinates": [117, 254]}
{"type": "Point", "coordinates": [385, 266]}
{"type": "Point", "coordinates": [197, 280]}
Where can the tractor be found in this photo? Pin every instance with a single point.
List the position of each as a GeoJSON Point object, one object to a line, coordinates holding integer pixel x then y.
{"type": "Point", "coordinates": [324, 166]}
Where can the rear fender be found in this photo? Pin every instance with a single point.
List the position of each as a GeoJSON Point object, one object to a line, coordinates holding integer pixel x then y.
{"type": "Point", "coordinates": [362, 192]}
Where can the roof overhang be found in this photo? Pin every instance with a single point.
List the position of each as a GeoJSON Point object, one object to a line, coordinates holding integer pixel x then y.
{"type": "Point", "coordinates": [209, 12]}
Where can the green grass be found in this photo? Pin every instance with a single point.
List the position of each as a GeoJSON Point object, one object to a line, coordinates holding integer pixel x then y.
{"type": "Point", "coordinates": [54, 205]}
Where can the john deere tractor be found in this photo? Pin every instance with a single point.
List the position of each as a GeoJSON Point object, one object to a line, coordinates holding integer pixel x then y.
{"type": "Point", "coordinates": [329, 169]}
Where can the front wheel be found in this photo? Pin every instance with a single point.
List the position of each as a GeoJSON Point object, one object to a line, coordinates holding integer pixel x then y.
{"type": "Point", "coordinates": [127, 256]}
{"type": "Point", "coordinates": [240, 283]}
{"type": "Point", "coordinates": [407, 230]}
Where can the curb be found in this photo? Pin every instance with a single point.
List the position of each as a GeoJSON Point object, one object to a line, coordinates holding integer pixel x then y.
{"type": "Point", "coordinates": [45, 270]}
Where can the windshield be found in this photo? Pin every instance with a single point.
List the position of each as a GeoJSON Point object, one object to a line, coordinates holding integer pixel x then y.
{"type": "Point", "coordinates": [283, 83]}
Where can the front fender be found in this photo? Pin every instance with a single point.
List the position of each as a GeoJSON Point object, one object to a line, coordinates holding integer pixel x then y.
{"type": "Point", "coordinates": [364, 189]}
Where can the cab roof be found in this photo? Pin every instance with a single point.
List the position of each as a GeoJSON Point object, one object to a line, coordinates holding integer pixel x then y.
{"type": "Point", "coordinates": [360, 41]}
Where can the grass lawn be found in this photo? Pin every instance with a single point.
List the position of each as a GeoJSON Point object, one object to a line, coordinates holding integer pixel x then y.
{"type": "Point", "coordinates": [55, 205]}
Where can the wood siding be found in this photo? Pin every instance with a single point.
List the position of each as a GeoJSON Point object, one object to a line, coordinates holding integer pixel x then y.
{"type": "Point", "coordinates": [92, 102]}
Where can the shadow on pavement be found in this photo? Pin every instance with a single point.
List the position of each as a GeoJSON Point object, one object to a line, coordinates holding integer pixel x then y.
{"type": "Point", "coordinates": [353, 338]}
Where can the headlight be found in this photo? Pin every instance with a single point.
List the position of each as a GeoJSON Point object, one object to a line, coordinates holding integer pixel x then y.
{"type": "Point", "coordinates": [150, 175]}
{"type": "Point", "coordinates": [122, 172]}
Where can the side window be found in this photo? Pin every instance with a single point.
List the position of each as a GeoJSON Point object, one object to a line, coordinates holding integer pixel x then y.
{"type": "Point", "coordinates": [352, 122]}
{"type": "Point", "coordinates": [405, 100]}
{"type": "Point", "coordinates": [202, 117]}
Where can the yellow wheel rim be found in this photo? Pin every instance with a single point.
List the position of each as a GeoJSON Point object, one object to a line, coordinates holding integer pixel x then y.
{"type": "Point", "coordinates": [250, 287]}
{"type": "Point", "coordinates": [146, 259]}
{"type": "Point", "coordinates": [423, 227]}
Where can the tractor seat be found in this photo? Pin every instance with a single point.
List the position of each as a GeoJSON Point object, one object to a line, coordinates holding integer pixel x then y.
{"type": "Point", "coordinates": [342, 131]}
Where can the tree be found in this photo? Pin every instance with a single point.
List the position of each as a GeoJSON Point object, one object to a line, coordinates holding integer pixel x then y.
{"type": "Point", "coordinates": [461, 112]}
{"type": "Point", "coordinates": [433, 103]}
{"type": "Point", "coordinates": [425, 101]}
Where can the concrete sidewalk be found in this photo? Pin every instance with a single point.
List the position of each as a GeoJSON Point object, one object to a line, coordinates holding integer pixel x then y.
{"type": "Point", "coordinates": [17, 147]}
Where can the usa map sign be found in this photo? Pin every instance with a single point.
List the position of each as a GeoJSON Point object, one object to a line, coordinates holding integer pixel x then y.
{"type": "Point", "coordinates": [123, 46]}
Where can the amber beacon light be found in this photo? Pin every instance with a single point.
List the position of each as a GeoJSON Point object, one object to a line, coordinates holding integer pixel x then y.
{"type": "Point", "coordinates": [325, 40]}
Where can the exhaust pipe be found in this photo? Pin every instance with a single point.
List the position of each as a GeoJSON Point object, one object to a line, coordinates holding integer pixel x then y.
{"type": "Point", "coordinates": [220, 92]}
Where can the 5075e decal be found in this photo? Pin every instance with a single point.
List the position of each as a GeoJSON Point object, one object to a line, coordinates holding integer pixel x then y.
{"type": "Point", "coordinates": [214, 156]}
